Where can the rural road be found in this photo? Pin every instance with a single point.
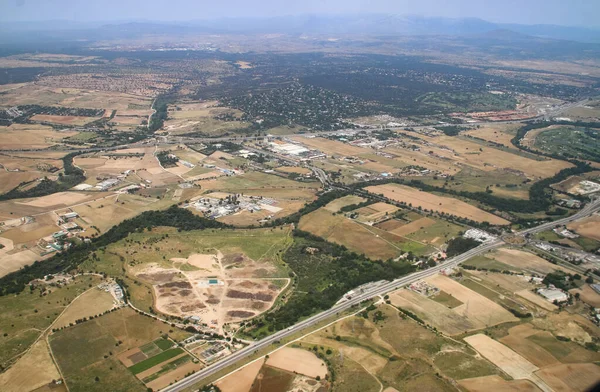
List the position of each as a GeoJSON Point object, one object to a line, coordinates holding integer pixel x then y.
{"type": "Point", "coordinates": [373, 292]}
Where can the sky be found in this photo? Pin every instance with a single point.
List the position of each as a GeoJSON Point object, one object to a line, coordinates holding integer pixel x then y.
{"type": "Point", "coordinates": [561, 12]}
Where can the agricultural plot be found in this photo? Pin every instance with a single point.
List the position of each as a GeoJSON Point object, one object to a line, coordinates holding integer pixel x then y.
{"type": "Point", "coordinates": [90, 303]}
{"type": "Point", "coordinates": [571, 377]}
{"type": "Point", "coordinates": [429, 201]}
{"type": "Point", "coordinates": [496, 133]}
{"type": "Point", "coordinates": [354, 235]}
{"type": "Point", "coordinates": [524, 261]}
{"type": "Point", "coordinates": [587, 227]}
{"type": "Point", "coordinates": [32, 371]}
{"type": "Point", "coordinates": [286, 369]}
{"type": "Point", "coordinates": [159, 363]}
{"type": "Point", "coordinates": [475, 312]}
{"type": "Point", "coordinates": [63, 120]}
{"type": "Point", "coordinates": [35, 94]}
{"type": "Point", "coordinates": [97, 345]}
{"type": "Point", "coordinates": [28, 136]}
{"type": "Point", "coordinates": [342, 202]}
{"type": "Point", "coordinates": [506, 359]}
{"type": "Point", "coordinates": [588, 295]}
{"type": "Point", "coordinates": [25, 316]}
{"type": "Point", "coordinates": [100, 215]}
{"type": "Point", "coordinates": [370, 346]}
{"type": "Point", "coordinates": [489, 158]}
{"type": "Point", "coordinates": [374, 213]}
{"type": "Point", "coordinates": [497, 383]}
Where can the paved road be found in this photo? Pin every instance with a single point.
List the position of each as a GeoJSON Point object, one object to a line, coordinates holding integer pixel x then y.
{"type": "Point", "coordinates": [368, 294]}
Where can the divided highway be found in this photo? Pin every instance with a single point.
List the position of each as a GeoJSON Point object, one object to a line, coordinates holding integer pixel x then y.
{"type": "Point", "coordinates": [368, 294]}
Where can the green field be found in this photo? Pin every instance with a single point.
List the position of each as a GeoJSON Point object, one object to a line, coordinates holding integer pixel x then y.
{"type": "Point", "coordinates": [26, 315]}
{"type": "Point", "coordinates": [94, 346]}
{"type": "Point", "coordinates": [570, 142]}
{"type": "Point", "coordinates": [155, 360]}
{"type": "Point", "coordinates": [446, 299]}
{"type": "Point", "coordinates": [489, 264]}
{"type": "Point", "coordinates": [459, 365]}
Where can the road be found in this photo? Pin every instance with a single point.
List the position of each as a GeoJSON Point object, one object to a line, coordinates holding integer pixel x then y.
{"type": "Point", "coordinates": [371, 293]}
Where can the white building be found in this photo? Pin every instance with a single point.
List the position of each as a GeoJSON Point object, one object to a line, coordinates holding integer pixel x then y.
{"type": "Point", "coordinates": [553, 294]}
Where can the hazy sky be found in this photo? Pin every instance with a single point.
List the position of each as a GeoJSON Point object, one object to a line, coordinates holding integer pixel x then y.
{"type": "Point", "coordinates": [563, 12]}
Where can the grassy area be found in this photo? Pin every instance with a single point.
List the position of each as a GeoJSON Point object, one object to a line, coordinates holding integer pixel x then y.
{"type": "Point", "coordinates": [570, 142]}
{"type": "Point", "coordinates": [459, 365]}
{"type": "Point", "coordinates": [26, 315]}
{"type": "Point", "coordinates": [489, 264]}
{"type": "Point", "coordinates": [446, 299]}
{"type": "Point", "coordinates": [155, 360]}
{"type": "Point", "coordinates": [272, 379]}
{"type": "Point", "coordinates": [502, 298]}
{"type": "Point", "coordinates": [95, 344]}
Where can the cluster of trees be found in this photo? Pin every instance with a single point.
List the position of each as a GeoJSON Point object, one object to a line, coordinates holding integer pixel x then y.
{"type": "Point", "coordinates": [167, 159]}
{"type": "Point", "coordinates": [321, 201]}
{"type": "Point", "coordinates": [299, 103]}
{"type": "Point", "coordinates": [71, 177]}
{"type": "Point", "coordinates": [68, 260]}
{"type": "Point", "coordinates": [322, 278]}
{"type": "Point", "coordinates": [451, 130]}
{"type": "Point", "coordinates": [460, 245]}
{"type": "Point", "coordinates": [351, 207]}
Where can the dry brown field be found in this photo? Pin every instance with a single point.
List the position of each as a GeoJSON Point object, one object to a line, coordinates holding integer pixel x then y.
{"type": "Point", "coordinates": [35, 94]}
{"type": "Point", "coordinates": [90, 303]}
{"type": "Point", "coordinates": [31, 136]}
{"type": "Point", "coordinates": [107, 212]}
{"type": "Point", "coordinates": [244, 64]}
{"type": "Point", "coordinates": [353, 235]}
{"type": "Point", "coordinates": [497, 133]}
{"type": "Point", "coordinates": [58, 200]}
{"type": "Point", "coordinates": [241, 380]}
{"type": "Point", "coordinates": [63, 120]}
{"type": "Point", "coordinates": [580, 377]}
{"type": "Point", "coordinates": [15, 261]}
{"type": "Point", "coordinates": [506, 359]}
{"type": "Point", "coordinates": [497, 384]}
{"type": "Point", "coordinates": [525, 260]}
{"type": "Point", "coordinates": [11, 180]}
{"type": "Point", "coordinates": [491, 159]}
{"type": "Point", "coordinates": [413, 226]}
{"type": "Point", "coordinates": [293, 169]}
{"type": "Point", "coordinates": [536, 300]}
{"type": "Point", "coordinates": [517, 340]}
{"type": "Point", "coordinates": [297, 360]}
{"type": "Point", "coordinates": [511, 283]}
{"type": "Point", "coordinates": [200, 117]}
{"type": "Point", "coordinates": [330, 147]}
{"type": "Point", "coordinates": [476, 312]}
{"type": "Point", "coordinates": [375, 212]}
{"type": "Point", "coordinates": [337, 204]}
{"type": "Point", "coordinates": [588, 227]}
{"type": "Point", "coordinates": [588, 295]}
{"type": "Point", "coordinates": [33, 370]}
{"type": "Point", "coordinates": [430, 201]}
{"type": "Point", "coordinates": [476, 307]}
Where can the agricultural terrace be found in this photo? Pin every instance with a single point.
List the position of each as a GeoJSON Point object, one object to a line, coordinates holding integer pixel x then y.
{"type": "Point", "coordinates": [429, 201]}
{"type": "Point", "coordinates": [96, 345]}
{"type": "Point", "coordinates": [221, 276]}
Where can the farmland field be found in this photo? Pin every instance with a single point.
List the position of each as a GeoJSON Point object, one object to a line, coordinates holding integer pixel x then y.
{"type": "Point", "coordinates": [433, 202]}
{"type": "Point", "coordinates": [93, 345]}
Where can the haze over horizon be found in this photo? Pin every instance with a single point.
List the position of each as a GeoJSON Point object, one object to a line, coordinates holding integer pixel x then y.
{"type": "Point", "coordinates": [574, 13]}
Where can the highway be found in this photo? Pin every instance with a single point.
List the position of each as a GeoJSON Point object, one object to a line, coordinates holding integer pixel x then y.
{"type": "Point", "coordinates": [371, 293]}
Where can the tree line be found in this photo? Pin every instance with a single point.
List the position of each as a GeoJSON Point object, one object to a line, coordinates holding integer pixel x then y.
{"type": "Point", "coordinates": [70, 259]}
